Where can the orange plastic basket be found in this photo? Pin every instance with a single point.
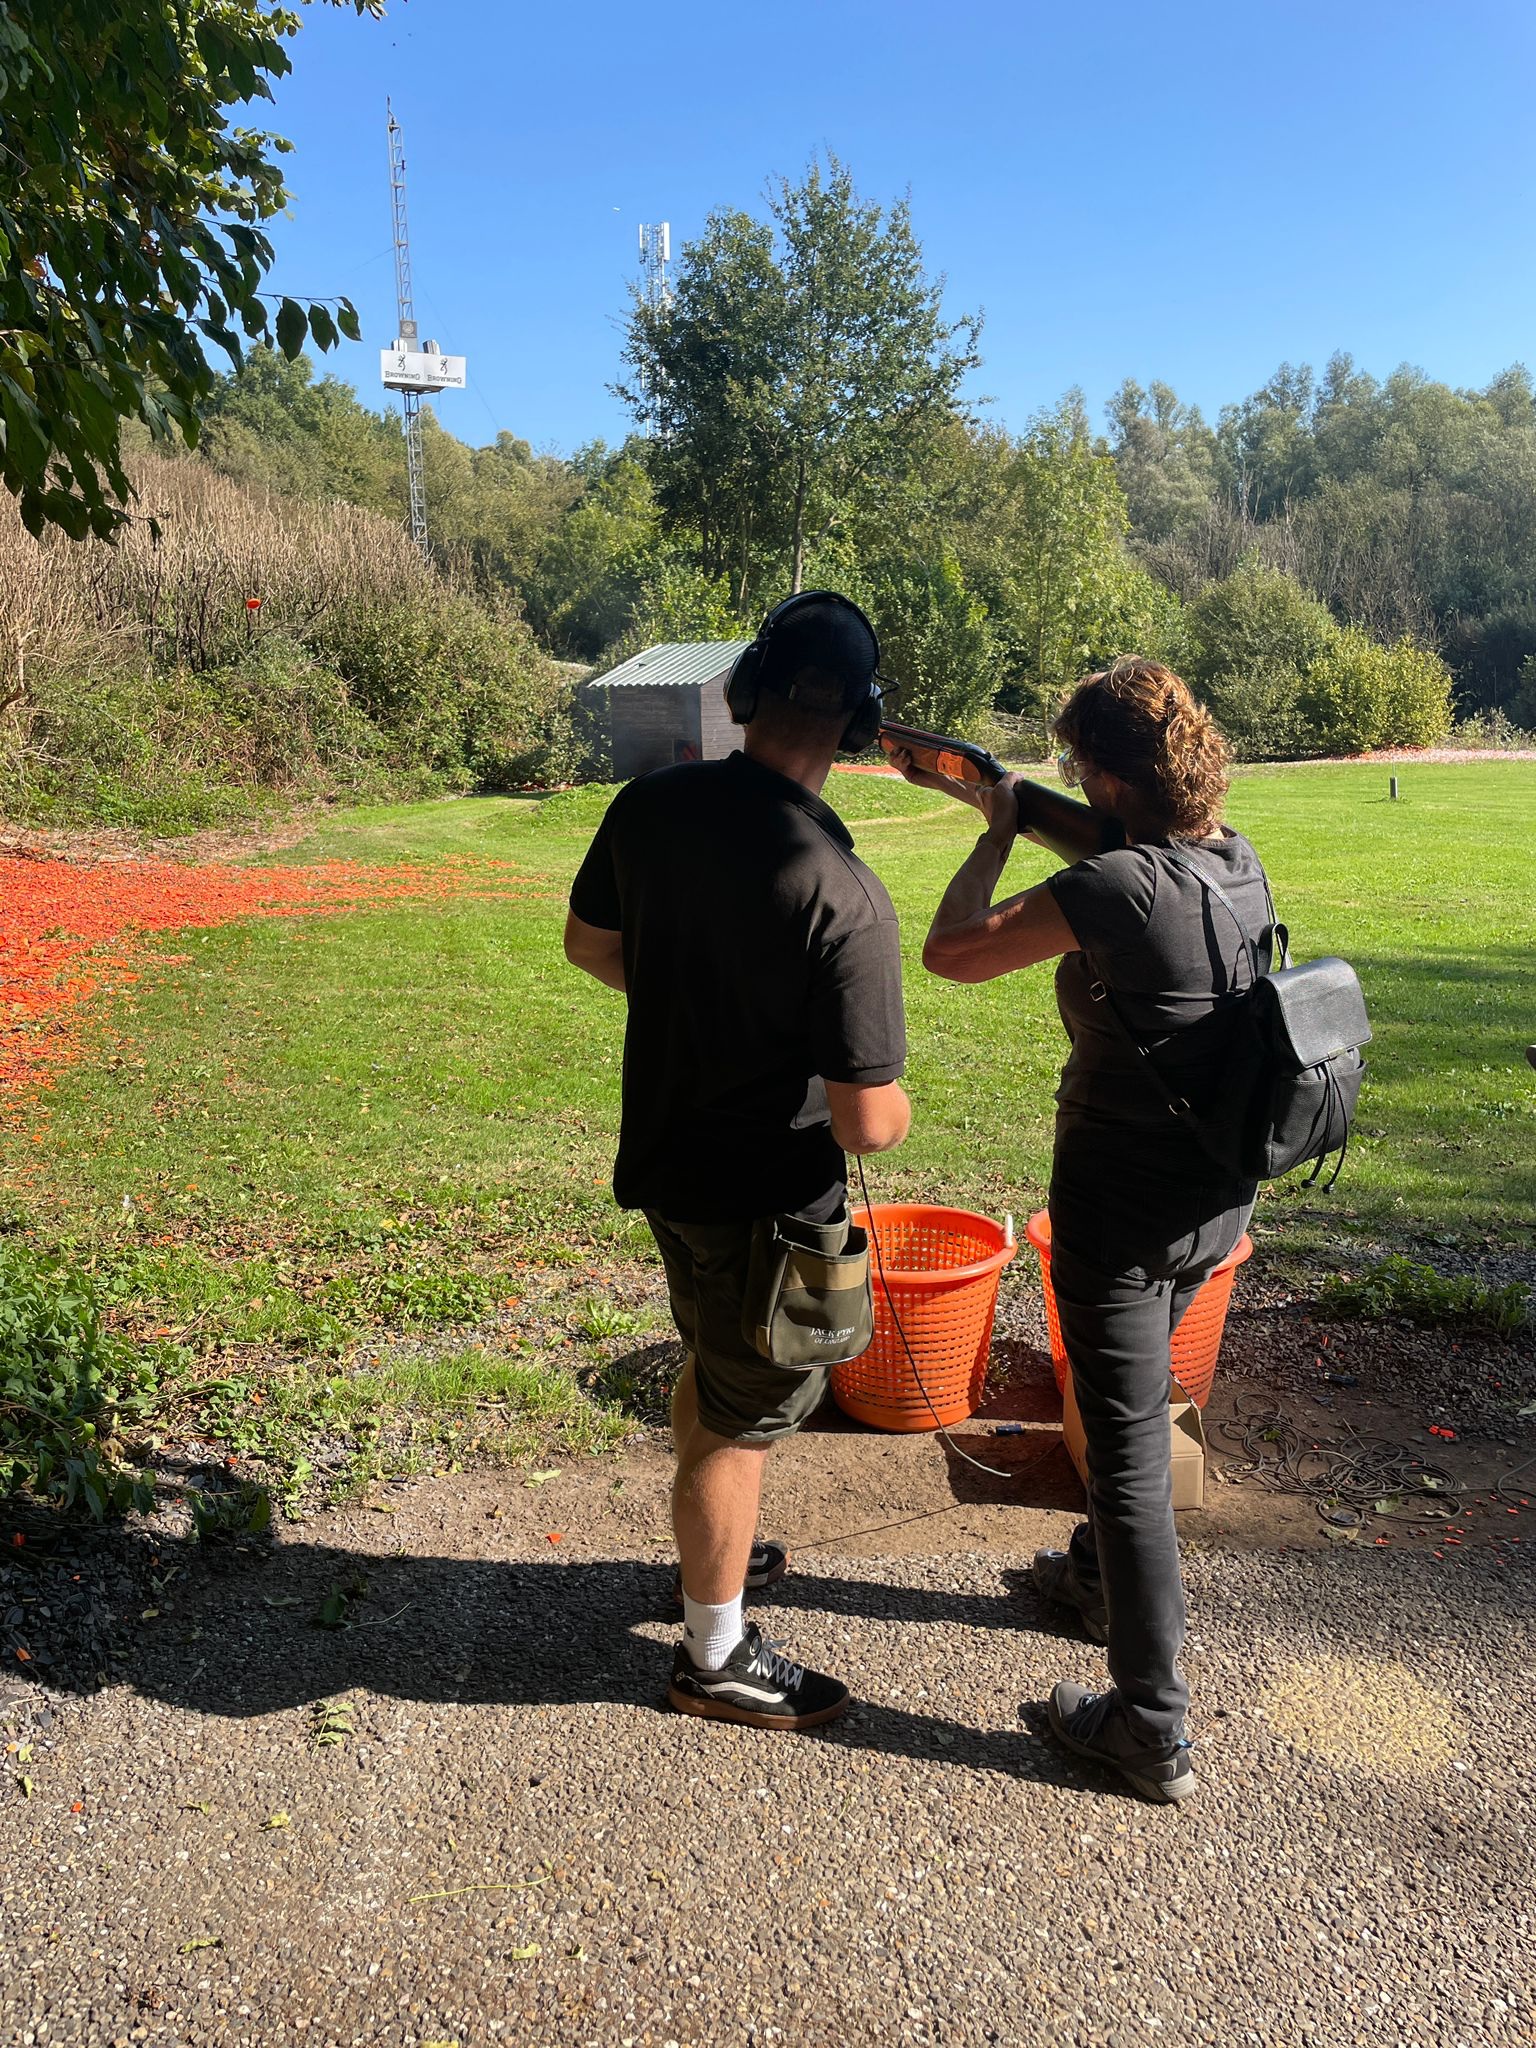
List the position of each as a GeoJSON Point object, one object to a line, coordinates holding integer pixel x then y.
{"type": "Point", "coordinates": [1197, 1340]}
{"type": "Point", "coordinates": [941, 1270]}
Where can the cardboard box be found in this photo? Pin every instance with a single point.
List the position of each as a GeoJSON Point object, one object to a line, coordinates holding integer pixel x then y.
{"type": "Point", "coordinates": [1188, 1444]}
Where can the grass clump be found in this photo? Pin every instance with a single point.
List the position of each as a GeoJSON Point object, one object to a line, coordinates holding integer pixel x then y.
{"type": "Point", "coordinates": [346, 1428]}
{"type": "Point", "coordinates": [1396, 1286]}
{"type": "Point", "coordinates": [67, 1387]}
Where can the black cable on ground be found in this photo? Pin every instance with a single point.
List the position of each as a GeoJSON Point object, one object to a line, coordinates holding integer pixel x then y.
{"type": "Point", "coordinates": [1348, 1478]}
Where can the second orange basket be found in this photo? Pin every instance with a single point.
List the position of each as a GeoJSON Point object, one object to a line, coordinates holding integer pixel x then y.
{"type": "Point", "coordinates": [1197, 1340]}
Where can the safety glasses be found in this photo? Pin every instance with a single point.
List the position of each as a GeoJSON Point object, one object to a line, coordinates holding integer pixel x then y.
{"type": "Point", "coordinates": [1069, 768]}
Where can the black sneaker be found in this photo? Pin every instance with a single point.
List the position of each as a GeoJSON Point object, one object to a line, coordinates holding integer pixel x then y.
{"type": "Point", "coordinates": [1055, 1579]}
{"type": "Point", "coordinates": [765, 1567]}
{"type": "Point", "coordinates": [756, 1686]}
{"type": "Point", "coordinates": [1092, 1724]}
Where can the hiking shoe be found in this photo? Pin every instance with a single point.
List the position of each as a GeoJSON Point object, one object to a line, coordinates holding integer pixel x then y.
{"type": "Point", "coordinates": [765, 1567]}
{"type": "Point", "coordinates": [756, 1686]}
{"type": "Point", "coordinates": [1092, 1724]}
{"type": "Point", "coordinates": [1056, 1580]}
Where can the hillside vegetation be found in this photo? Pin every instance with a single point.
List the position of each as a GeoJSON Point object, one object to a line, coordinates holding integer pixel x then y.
{"type": "Point", "coordinates": [138, 685]}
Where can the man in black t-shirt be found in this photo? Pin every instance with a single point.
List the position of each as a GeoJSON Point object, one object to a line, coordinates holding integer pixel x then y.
{"type": "Point", "coordinates": [765, 1039]}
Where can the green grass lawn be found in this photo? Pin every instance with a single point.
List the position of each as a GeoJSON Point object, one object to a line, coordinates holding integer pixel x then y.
{"type": "Point", "coordinates": [309, 1077]}
{"type": "Point", "coordinates": [299, 1133]}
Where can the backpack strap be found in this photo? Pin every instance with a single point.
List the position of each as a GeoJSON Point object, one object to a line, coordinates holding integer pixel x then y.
{"type": "Point", "coordinates": [1272, 943]}
{"type": "Point", "coordinates": [1175, 1104]}
{"type": "Point", "coordinates": [1261, 954]}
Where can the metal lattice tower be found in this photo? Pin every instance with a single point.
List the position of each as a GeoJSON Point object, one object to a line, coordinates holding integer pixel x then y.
{"type": "Point", "coordinates": [410, 401]}
{"type": "Point", "coordinates": [656, 292]}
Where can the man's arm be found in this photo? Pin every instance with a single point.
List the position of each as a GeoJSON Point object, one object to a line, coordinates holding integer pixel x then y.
{"type": "Point", "coordinates": [868, 1119]}
{"type": "Point", "coordinates": [595, 951]}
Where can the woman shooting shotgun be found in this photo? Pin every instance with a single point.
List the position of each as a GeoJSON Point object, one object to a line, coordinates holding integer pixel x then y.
{"type": "Point", "coordinates": [1140, 1214]}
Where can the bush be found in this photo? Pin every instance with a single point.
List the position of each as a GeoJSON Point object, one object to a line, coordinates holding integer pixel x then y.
{"type": "Point", "coordinates": [66, 1384]}
{"type": "Point", "coordinates": [1360, 694]}
{"type": "Point", "coordinates": [1521, 715]}
{"type": "Point", "coordinates": [1253, 639]}
{"type": "Point", "coordinates": [1264, 713]}
{"type": "Point", "coordinates": [137, 688]}
{"type": "Point", "coordinates": [936, 642]}
{"type": "Point", "coordinates": [1145, 617]}
{"type": "Point", "coordinates": [1399, 1287]}
{"type": "Point", "coordinates": [1493, 729]}
{"type": "Point", "coordinates": [174, 753]}
{"type": "Point", "coordinates": [461, 696]}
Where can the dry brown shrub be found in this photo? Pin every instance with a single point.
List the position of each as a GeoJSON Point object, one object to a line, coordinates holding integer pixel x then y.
{"type": "Point", "coordinates": [172, 592]}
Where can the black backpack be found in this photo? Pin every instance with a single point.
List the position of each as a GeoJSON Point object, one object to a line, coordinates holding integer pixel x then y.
{"type": "Point", "coordinates": [1293, 1069]}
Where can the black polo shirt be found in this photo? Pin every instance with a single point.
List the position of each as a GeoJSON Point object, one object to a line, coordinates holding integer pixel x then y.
{"type": "Point", "coordinates": [761, 959]}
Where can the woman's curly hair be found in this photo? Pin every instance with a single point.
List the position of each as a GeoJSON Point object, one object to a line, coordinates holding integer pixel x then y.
{"type": "Point", "coordinates": [1139, 721]}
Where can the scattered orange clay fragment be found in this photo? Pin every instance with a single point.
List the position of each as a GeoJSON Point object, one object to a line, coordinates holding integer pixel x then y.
{"type": "Point", "coordinates": [552, 1536]}
{"type": "Point", "coordinates": [69, 931]}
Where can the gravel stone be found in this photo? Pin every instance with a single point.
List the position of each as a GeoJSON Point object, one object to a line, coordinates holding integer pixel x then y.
{"type": "Point", "coordinates": [1358, 1867]}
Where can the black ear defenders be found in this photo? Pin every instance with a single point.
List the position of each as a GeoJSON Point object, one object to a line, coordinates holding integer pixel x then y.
{"type": "Point", "coordinates": [743, 685]}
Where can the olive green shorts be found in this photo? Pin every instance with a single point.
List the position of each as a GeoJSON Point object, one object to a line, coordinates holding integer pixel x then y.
{"type": "Point", "coordinates": [741, 1396]}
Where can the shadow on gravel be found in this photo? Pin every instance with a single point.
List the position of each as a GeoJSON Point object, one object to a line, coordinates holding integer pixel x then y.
{"type": "Point", "coordinates": [241, 1632]}
{"type": "Point", "coordinates": [242, 1639]}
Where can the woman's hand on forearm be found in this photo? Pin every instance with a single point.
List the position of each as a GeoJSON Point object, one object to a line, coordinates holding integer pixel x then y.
{"type": "Point", "coordinates": [1000, 805]}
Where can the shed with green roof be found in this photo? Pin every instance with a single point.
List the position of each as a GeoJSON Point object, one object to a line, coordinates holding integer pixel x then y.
{"type": "Point", "coordinates": [668, 705]}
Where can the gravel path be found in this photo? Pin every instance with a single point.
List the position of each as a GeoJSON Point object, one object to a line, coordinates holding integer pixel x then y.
{"type": "Point", "coordinates": [515, 1845]}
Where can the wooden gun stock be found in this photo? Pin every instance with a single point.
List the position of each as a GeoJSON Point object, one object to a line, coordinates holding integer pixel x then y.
{"type": "Point", "coordinates": [1070, 830]}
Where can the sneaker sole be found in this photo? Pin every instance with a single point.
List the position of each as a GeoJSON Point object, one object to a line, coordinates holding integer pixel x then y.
{"type": "Point", "coordinates": [771, 1577]}
{"type": "Point", "coordinates": [714, 1710]}
{"type": "Point", "coordinates": [1173, 1793]}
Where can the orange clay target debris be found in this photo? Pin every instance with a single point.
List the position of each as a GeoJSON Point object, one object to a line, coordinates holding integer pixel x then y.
{"type": "Point", "coordinates": [70, 932]}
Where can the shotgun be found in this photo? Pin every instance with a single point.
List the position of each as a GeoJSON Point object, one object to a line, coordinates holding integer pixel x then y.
{"type": "Point", "coordinates": [1070, 830]}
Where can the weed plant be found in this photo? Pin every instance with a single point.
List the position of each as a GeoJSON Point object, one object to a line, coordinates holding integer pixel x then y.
{"type": "Point", "coordinates": [1396, 1286]}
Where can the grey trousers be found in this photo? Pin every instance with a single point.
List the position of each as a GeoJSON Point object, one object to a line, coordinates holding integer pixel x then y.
{"type": "Point", "coordinates": [1120, 1299]}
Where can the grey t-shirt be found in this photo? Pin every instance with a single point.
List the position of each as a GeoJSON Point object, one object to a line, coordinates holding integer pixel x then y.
{"type": "Point", "coordinates": [1168, 951]}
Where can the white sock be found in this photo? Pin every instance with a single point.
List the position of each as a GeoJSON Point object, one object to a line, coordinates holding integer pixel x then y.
{"type": "Point", "coordinates": [711, 1633]}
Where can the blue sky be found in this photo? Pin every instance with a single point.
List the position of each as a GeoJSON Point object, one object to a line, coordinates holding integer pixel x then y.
{"type": "Point", "coordinates": [1187, 191]}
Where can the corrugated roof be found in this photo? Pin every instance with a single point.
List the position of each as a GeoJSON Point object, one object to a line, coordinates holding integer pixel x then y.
{"type": "Point", "coordinates": [674, 665]}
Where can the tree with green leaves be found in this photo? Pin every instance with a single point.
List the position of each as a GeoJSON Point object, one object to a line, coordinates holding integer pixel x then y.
{"type": "Point", "coordinates": [272, 424]}
{"type": "Point", "coordinates": [131, 215]}
{"type": "Point", "coordinates": [1254, 640]}
{"type": "Point", "coordinates": [936, 640]}
{"type": "Point", "coordinates": [1166, 458]}
{"type": "Point", "coordinates": [800, 361]}
{"type": "Point", "coordinates": [597, 564]}
{"type": "Point", "coordinates": [1059, 586]}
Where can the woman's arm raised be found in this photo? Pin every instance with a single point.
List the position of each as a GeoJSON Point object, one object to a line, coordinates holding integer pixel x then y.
{"type": "Point", "coordinates": [971, 939]}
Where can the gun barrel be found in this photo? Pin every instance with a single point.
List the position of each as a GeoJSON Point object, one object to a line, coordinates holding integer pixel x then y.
{"type": "Point", "coordinates": [1070, 830]}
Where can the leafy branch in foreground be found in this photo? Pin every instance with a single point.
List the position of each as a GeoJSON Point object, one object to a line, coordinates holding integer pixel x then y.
{"type": "Point", "coordinates": [130, 226]}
